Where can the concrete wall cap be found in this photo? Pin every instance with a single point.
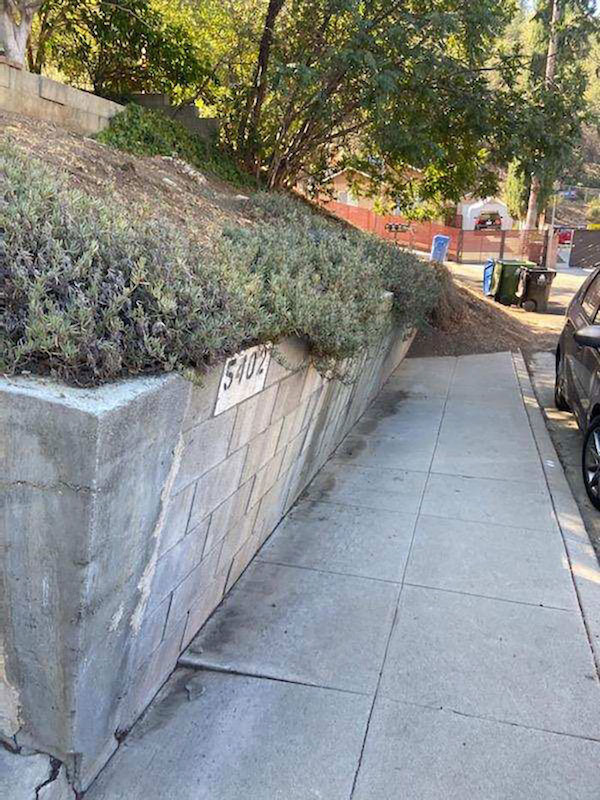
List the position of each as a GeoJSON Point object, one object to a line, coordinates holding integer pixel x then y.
{"type": "Point", "coordinates": [95, 400]}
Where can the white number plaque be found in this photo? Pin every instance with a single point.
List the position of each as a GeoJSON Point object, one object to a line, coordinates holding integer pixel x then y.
{"type": "Point", "coordinates": [244, 374]}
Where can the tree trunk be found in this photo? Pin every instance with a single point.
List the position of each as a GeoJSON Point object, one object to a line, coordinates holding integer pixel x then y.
{"type": "Point", "coordinates": [16, 18]}
{"type": "Point", "coordinates": [553, 43]}
{"type": "Point", "coordinates": [251, 119]}
{"type": "Point", "coordinates": [534, 191]}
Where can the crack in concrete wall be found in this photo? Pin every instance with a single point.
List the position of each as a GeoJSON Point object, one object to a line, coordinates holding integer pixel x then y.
{"type": "Point", "coordinates": [145, 583]}
{"type": "Point", "coordinates": [48, 486]}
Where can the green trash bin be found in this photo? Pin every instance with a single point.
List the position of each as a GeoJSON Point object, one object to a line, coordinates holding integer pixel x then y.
{"type": "Point", "coordinates": [505, 281]}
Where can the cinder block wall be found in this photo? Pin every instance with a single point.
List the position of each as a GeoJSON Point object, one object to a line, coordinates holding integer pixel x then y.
{"type": "Point", "coordinates": [42, 98]}
{"type": "Point", "coordinates": [205, 127]}
{"type": "Point", "coordinates": [128, 512]}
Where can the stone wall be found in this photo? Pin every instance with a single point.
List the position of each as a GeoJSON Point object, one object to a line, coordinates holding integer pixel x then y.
{"type": "Point", "coordinates": [42, 98]}
{"type": "Point", "coordinates": [128, 512]}
{"type": "Point", "coordinates": [205, 127]}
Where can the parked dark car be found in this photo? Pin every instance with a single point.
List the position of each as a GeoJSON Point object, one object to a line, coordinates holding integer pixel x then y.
{"type": "Point", "coordinates": [577, 384]}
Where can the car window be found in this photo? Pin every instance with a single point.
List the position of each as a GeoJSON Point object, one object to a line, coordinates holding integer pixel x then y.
{"type": "Point", "coordinates": [591, 301]}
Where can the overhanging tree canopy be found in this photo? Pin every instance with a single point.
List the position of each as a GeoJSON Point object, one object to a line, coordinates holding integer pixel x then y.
{"type": "Point", "coordinates": [386, 83]}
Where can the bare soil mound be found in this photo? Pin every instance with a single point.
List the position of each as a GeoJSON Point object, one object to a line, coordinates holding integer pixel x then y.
{"type": "Point", "coordinates": [164, 186]}
{"type": "Point", "coordinates": [466, 322]}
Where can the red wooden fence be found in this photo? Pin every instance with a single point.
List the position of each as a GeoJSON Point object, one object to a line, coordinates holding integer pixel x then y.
{"type": "Point", "coordinates": [465, 246]}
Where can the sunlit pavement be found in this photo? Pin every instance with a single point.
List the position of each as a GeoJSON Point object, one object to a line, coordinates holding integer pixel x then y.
{"type": "Point", "coordinates": [411, 630]}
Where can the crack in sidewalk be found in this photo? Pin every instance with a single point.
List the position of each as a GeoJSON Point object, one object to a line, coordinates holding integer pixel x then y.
{"type": "Point", "coordinates": [55, 766]}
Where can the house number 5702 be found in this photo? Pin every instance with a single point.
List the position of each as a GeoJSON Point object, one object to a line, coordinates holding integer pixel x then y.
{"type": "Point", "coordinates": [244, 375]}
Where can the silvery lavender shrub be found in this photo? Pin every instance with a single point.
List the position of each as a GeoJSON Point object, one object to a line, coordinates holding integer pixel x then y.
{"type": "Point", "coordinates": [91, 291]}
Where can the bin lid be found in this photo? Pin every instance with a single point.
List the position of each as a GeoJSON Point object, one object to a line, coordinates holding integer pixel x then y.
{"type": "Point", "coordinates": [516, 262]}
{"type": "Point", "coordinates": [540, 269]}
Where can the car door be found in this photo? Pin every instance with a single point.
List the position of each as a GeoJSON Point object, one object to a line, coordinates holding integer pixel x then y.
{"type": "Point", "coordinates": [585, 365]}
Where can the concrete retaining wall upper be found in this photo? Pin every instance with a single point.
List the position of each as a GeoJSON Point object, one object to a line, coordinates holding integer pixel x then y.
{"type": "Point", "coordinates": [42, 98]}
{"type": "Point", "coordinates": [128, 512]}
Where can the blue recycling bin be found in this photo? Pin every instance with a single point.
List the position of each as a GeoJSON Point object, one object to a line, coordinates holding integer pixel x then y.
{"type": "Point", "coordinates": [488, 271]}
{"type": "Point", "coordinates": [439, 247]}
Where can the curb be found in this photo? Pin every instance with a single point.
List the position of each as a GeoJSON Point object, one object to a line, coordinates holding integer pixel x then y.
{"type": "Point", "coordinates": [580, 555]}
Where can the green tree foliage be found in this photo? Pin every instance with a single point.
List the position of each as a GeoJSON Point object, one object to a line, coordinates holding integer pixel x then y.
{"type": "Point", "coordinates": [118, 48]}
{"type": "Point", "coordinates": [305, 86]}
{"type": "Point", "coordinates": [515, 190]}
{"type": "Point", "coordinates": [385, 84]}
{"type": "Point", "coordinates": [549, 119]}
{"type": "Point", "coordinates": [592, 211]}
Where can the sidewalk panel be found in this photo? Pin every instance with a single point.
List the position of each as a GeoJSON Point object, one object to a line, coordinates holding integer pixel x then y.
{"type": "Point", "coordinates": [432, 754]}
{"type": "Point", "coordinates": [355, 541]}
{"type": "Point", "coordinates": [391, 490]}
{"type": "Point", "coordinates": [210, 736]}
{"type": "Point", "coordinates": [517, 503]}
{"type": "Point", "coordinates": [492, 658]}
{"type": "Point", "coordinates": [387, 453]}
{"type": "Point", "coordinates": [492, 560]}
{"type": "Point", "coordinates": [300, 625]}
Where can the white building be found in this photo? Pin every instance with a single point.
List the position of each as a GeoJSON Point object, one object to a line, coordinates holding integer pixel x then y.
{"type": "Point", "coordinates": [471, 210]}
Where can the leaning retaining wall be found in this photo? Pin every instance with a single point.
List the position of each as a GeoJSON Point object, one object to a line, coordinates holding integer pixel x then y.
{"type": "Point", "coordinates": [42, 98]}
{"type": "Point", "coordinates": [128, 511]}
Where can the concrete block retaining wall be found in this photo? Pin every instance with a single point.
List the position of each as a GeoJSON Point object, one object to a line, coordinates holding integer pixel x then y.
{"type": "Point", "coordinates": [205, 127]}
{"type": "Point", "coordinates": [42, 98]}
{"type": "Point", "coordinates": [127, 512]}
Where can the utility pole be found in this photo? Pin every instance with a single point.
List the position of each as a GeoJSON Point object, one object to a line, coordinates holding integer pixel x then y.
{"type": "Point", "coordinates": [534, 191]}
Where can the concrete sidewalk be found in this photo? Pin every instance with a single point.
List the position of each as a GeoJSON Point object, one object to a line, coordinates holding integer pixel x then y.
{"type": "Point", "coordinates": [413, 629]}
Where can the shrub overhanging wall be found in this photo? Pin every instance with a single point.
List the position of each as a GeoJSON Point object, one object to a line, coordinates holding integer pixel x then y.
{"type": "Point", "coordinates": [90, 292]}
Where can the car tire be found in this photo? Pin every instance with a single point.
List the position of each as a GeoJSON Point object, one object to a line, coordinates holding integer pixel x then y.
{"type": "Point", "coordinates": [560, 401]}
{"type": "Point", "coordinates": [590, 462]}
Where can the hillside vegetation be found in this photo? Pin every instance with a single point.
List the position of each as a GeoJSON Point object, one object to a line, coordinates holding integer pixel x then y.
{"type": "Point", "coordinates": [113, 265]}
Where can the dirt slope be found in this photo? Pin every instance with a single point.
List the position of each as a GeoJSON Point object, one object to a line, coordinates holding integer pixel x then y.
{"type": "Point", "coordinates": [482, 326]}
{"type": "Point", "coordinates": [169, 187]}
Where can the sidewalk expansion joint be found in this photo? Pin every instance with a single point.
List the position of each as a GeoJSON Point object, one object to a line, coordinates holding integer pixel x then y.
{"type": "Point", "coordinates": [362, 507]}
{"type": "Point", "coordinates": [485, 718]}
{"type": "Point", "coordinates": [494, 479]}
{"type": "Point", "coordinates": [326, 571]}
{"type": "Point", "coordinates": [370, 468]}
{"type": "Point", "coordinates": [189, 662]}
{"type": "Point", "coordinates": [357, 465]}
{"type": "Point", "coordinates": [492, 597]}
{"type": "Point", "coordinates": [555, 529]}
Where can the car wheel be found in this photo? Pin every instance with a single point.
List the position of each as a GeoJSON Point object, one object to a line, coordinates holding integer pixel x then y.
{"type": "Point", "coordinates": [590, 462]}
{"type": "Point", "coordinates": [560, 401]}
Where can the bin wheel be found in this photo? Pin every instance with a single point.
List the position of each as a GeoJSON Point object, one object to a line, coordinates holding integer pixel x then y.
{"type": "Point", "coordinates": [590, 462]}
{"type": "Point", "coordinates": [529, 305]}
